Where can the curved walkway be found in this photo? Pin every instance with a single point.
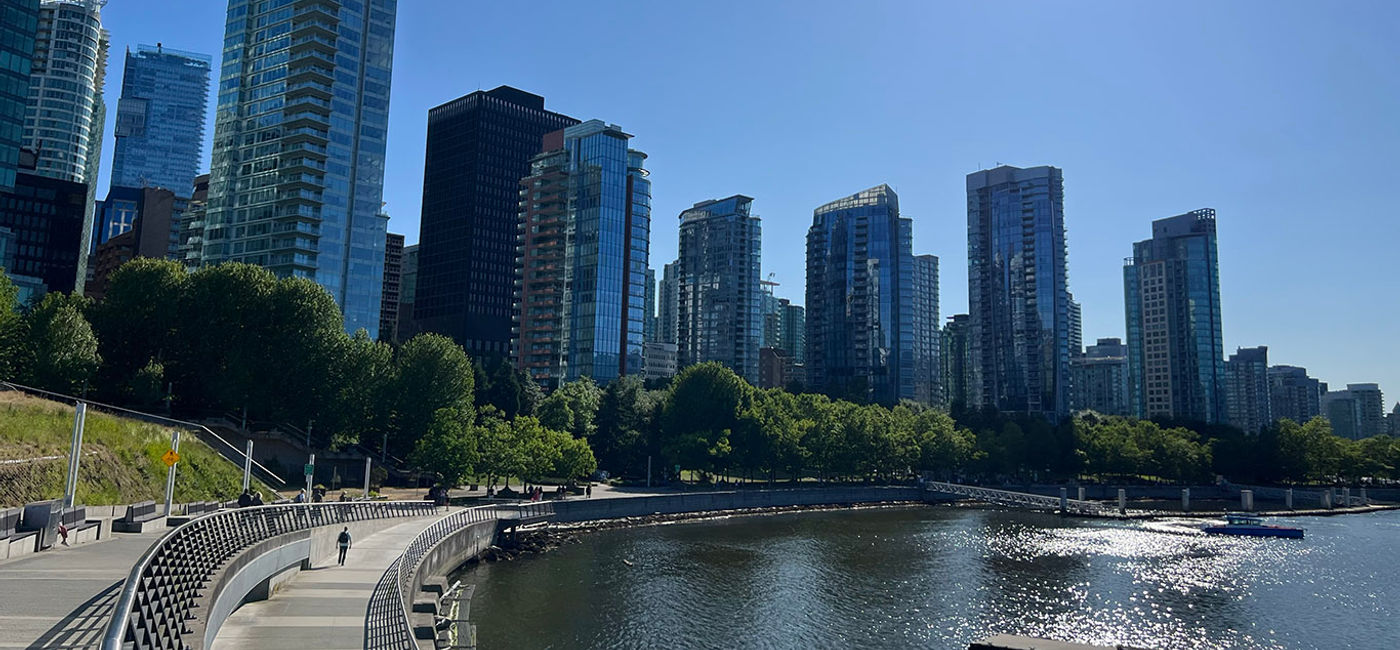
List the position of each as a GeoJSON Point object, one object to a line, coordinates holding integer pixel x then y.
{"type": "Point", "coordinates": [324, 607]}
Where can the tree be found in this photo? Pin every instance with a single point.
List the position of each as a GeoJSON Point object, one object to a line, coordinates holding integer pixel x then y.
{"type": "Point", "coordinates": [699, 414]}
{"type": "Point", "coordinates": [364, 381]}
{"type": "Point", "coordinates": [448, 448]}
{"type": "Point", "coordinates": [573, 407]}
{"type": "Point", "coordinates": [500, 384]}
{"type": "Point", "coordinates": [220, 341]}
{"type": "Point", "coordinates": [12, 330]}
{"type": "Point", "coordinates": [135, 324]}
{"type": "Point", "coordinates": [65, 349]}
{"type": "Point", "coordinates": [624, 414]}
{"type": "Point", "coordinates": [433, 373]}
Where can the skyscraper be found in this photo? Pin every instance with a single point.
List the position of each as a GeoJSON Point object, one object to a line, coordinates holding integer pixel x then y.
{"type": "Point", "coordinates": [584, 232]}
{"type": "Point", "coordinates": [1101, 378]}
{"type": "Point", "coordinates": [160, 119]}
{"type": "Point", "coordinates": [408, 293]}
{"type": "Point", "coordinates": [19, 23]}
{"type": "Point", "coordinates": [1247, 389]}
{"type": "Point", "coordinates": [1294, 395]}
{"type": "Point", "coordinates": [1176, 364]}
{"type": "Point", "coordinates": [650, 332]}
{"type": "Point", "coordinates": [479, 147]}
{"type": "Point", "coordinates": [956, 360]}
{"type": "Point", "coordinates": [860, 302]}
{"type": "Point", "coordinates": [927, 370]}
{"type": "Point", "coordinates": [669, 294]}
{"type": "Point", "coordinates": [44, 217]}
{"type": "Point", "coordinates": [1018, 291]}
{"type": "Point", "coordinates": [65, 113]}
{"type": "Point", "coordinates": [297, 174]}
{"type": "Point", "coordinates": [393, 286]}
{"type": "Point", "coordinates": [1076, 328]}
{"type": "Point", "coordinates": [718, 315]}
{"type": "Point", "coordinates": [1357, 412]}
{"type": "Point", "coordinates": [792, 331]}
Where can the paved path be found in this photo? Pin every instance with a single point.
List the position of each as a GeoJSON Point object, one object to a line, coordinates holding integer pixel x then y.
{"type": "Point", "coordinates": [323, 608]}
{"type": "Point", "coordinates": [63, 597]}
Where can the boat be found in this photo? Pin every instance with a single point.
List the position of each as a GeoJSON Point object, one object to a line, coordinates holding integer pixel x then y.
{"type": "Point", "coordinates": [1247, 525]}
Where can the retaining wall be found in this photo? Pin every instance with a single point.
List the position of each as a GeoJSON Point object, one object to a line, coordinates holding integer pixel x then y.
{"type": "Point", "coordinates": [577, 509]}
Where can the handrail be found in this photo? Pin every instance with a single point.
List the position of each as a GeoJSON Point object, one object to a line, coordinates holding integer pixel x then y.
{"type": "Point", "coordinates": [1022, 499]}
{"type": "Point", "coordinates": [163, 588]}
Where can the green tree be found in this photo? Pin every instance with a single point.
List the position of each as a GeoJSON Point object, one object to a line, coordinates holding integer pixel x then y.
{"type": "Point", "coordinates": [12, 330]}
{"type": "Point", "coordinates": [136, 324]}
{"type": "Point", "coordinates": [64, 346]}
{"type": "Point", "coordinates": [365, 379]}
{"type": "Point", "coordinates": [624, 414]}
{"type": "Point", "coordinates": [448, 448]}
{"type": "Point", "coordinates": [573, 407]}
{"type": "Point", "coordinates": [699, 414]}
{"type": "Point", "coordinates": [221, 339]}
{"type": "Point", "coordinates": [433, 373]}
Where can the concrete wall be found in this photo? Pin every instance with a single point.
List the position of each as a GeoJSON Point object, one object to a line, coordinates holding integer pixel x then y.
{"type": "Point", "coordinates": [454, 551]}
{"type": "Point", "coordinates": [589, 509]}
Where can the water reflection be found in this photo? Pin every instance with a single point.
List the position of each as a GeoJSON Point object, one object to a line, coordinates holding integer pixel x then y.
{"type": "Point", "coordinates": [941, 577]}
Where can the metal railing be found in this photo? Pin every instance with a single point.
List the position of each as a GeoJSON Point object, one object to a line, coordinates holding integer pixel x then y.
{"type": "Point", "coordinates": [388, 625]}
{"type": "Point", "coordinates": [166, 587]}
{"type": "Point", "coordinates": [1023, 500]}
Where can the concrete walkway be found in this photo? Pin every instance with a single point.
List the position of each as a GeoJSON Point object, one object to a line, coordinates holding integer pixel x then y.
{"type": "Point", "coordinates": [325, 607]}
{"type": "Point", "coordinates": [63, 597]}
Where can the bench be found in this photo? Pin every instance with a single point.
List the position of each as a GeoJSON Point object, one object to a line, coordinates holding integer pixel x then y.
{"type": "Point", "coordinates": [80, 528]}
{"type": "Point", "coordinates": [13, 542]}
{"type": "Point", "coordinates": [139, 518]}
{"type": "Point", "coordinates": [193, 510]}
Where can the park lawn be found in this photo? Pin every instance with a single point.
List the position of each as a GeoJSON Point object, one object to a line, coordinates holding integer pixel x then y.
{"type": "Point", "coordinates": [121, 458]}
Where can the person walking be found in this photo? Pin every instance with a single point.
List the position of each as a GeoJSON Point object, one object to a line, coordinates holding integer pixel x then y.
{"type": "Point", "coordinates": [245, 499]}
{"type": "Point", "coordinates": [344, 542]}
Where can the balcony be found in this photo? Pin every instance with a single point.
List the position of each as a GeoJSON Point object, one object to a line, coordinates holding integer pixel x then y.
{"type": "Point", "coordinates": [313, 41]}
{"type": "Point", "coordinates": [305, 134]}
{"type": "Point", "coordinates": [312, 88]}
{"type": "Point", "coordinates": [306, 118]}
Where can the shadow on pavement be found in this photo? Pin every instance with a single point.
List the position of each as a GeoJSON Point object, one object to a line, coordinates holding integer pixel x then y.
{"type": "Point", "coordinates": [83, 627]}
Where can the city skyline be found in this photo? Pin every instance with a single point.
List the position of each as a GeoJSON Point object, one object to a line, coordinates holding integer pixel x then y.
{"type": "Point", "coordinates": [1140, 138]}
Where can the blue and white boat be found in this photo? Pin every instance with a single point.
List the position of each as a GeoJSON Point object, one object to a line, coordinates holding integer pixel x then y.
{"type": "Point", "coordinates": [1247, 525]}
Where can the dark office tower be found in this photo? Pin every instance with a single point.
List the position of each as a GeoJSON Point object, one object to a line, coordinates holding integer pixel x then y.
{"type": "Point", "coordinates": [927, 370]}
{"type": "Point", "coordinates": [583, 236]}
{"type": "Point", "coordinates": [297, 171]}
{"type": "Point", "coordinates": [718, 317]}
{"type": "Point", "coordinates": [19, 22]}
{"type": "Point", "coordinates": [666, 317]}
{"type": "Point", "coordinates": [160, 119]}
{"type": "Point", "coordinates": [393, 283]}
{"type": "Point", "coordinates": [1101, 378]}
{"type": "Point", "coordinates": [1018, 290]}
{"type": "Point", "coordinates": [479, 147]}
{"type": "Point", "coordinates": [1247, 392]}
{"type": "Point", "coordinates": [792, 331]}
{"type": "Point", "coordinates": [408, 293]}
{"type": "Point", "coordinates": [956, 360]}
{"type": "Point", "coordinates": [860, 302]}
{"type": "Point", "coordinates": [649, 322]}
{"type": "Point", "coordinates": [1171, 284]}
{"type": "Point", "coordinates": [1293, 395]}
{"type": "Point", "coordinates": [45, 217]}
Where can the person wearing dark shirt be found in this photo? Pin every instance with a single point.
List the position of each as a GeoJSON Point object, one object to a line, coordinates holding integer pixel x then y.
{"type": "Point", "coordinates": [343, 541]}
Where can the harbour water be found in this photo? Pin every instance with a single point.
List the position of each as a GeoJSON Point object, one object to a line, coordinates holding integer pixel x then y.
{"type": "Point", "coordinates": [940, 577]}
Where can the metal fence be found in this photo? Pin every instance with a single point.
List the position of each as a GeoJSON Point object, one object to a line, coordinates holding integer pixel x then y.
{"type": "Point", "coordinates": [1023, 500]}
{"type": "Point", "coordinates": [388, 626]}
{"type": "Point", "coordinates": [166, 587]}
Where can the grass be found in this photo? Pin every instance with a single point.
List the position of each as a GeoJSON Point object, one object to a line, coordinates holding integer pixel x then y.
{"type": "Point", "coordinates": [121, 458]}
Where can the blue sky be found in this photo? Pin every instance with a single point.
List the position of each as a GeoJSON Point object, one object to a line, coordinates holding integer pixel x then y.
{"type": "Point", "coordinates": [1280, 115]}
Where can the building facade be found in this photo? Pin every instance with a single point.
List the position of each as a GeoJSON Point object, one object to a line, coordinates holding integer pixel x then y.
{"type": "Point", "coordinates": [1018, 293]}
{"type": "Point", "coordinates": [408, 293]}
{"type": "Point", "coordinates": [1076, 328]}
{"type": "Point", "coordinates": [1293, 395]}
{"type": "Point", "coordinates": [147, 236]}
{"type": "Point", "coordinates": [669, 302]}
{"type": "Point", "coordinates": [45, 217]}
{"type": "Point", "coordinates": [19, 24]}
{"type": "Point", "coordinates": [297, 173]}
{"type": "Point", "coordinates": [659, 361]}
{"type": "Point", "coordinates": [479, 147]}
{"type": "Point", "coordinates": [583, 238]}
{"type": "Point", "coordinates": [160, 119]}
{"type": "Point", "coordinates": [1357, 412]}
{"type": "Point", "coordinates": [718, 314]}
{"type": "Point", "coordinates": [393, 287]}
{"type": "Point", "coordinates": [1176, 364]}
{"type": "Point", "coordinates": [1100, 378]}
{"type": "Point", "coordinates": [956, 362]}
{"type": "Point", "coordinates": [792, 331]}
{"type": "Point", "coordinates": [189, 248]}
{"type": "Point", "coordinates": [651, 332]}
{"type": "Point", "coordinates": [928, 372]}
{"type": "Point", "coordinates": [1247, 389]}
{"type": "Point", "coordinates": [860, 303]}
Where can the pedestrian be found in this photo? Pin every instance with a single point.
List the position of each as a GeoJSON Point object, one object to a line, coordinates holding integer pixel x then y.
{"type": "Point", "coordinates": [300, 497]}
{"type": "Point", "coordinates": [588, 491]}
{"type": "Point", "coordinates": [344, 542]}
{"type": "Point", "coordinates": [245, 499]}
{"type": "Point", "coordinates": [257, 498]}
{"type": "Point", "coordinates": [63, 532]}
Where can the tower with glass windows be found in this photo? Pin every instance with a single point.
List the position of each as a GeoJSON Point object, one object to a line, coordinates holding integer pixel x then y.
{"type": "Point", "coordinates": [718, 310]}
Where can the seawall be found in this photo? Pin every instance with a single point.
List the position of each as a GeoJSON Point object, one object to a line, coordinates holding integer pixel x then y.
{"type": "Point", "coordinates": [576, 509]}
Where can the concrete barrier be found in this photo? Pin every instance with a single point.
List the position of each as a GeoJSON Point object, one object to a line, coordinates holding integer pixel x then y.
{"type": "Point", "coordinates": [617, 508]}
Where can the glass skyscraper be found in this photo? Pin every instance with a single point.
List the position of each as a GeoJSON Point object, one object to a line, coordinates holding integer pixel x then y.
{"type": "Point", "coordinates": [584, 233]}
{"type": "Point", "coordinates": [927, 370]}
{"type": "Point", "coordinates": [19, 22]}
{"type": "Point", "coordinates": [1018, 294]}
{"type": "Point", "coordinates": [160, 119]}
{"type": "Point", "coordinates": [297, 174]}
{"type": "Point", "coordinates": [1176, 352]}
{"type": "Point", "coordinates": [718, 313]}
{"type": "Point", "coordinates": [479, 147]}
{"type": "Point", "coordinates": [860, 302]}
{"type": "Point", "coordinates": [1247, 396]}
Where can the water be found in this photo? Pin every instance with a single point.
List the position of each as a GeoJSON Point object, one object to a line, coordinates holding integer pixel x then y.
{"type": "Point", "coordinates": [941, 577]}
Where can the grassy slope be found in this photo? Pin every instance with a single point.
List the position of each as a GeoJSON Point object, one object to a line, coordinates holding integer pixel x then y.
{"type": "Point", "coordinates": [121, 458]}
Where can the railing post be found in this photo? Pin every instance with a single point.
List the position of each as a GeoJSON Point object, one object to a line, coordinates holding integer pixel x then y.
{"type": "Point", "coordinates": [1186, 499]}
{"type": "Point", "coordinates": [1064, 500]}
{"type": "Point", "coordinates": [247, 464]}
{"type": "Point", "coordinates": [75, 452]}
{"type": "Point", "coordinates": [1122, 501]}
{"type": "Point", "coordinates": [170, 473]}
{"type": "Point", "coordinates": [1364, 500]}
{"type": "Point", "coordinates": [1247, 500]}
{"type": "Point", "coordinates": [1081, 493]}
{"type": "Point", "coordinates": [368, 460]}
{"type": "Point", "coordinates": [1288, 499]}
{"type": "Point", "coordinates": [1346, 496]}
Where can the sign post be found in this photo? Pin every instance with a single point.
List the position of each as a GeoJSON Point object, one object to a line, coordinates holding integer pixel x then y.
{"type": "Point", "coordinates": [171, 458]}
{"type": "Point", "coordinates": [310, 471]}
{"type": "Point", "coordinates": [75, 452]}
{"type": "Point", "coordinates": [247, 465]}
{"type": "Point", "coordinates": [368, 460]}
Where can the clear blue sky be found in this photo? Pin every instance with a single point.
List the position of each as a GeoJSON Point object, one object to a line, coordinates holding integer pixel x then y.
{"type": "Point", "coordinates": [1283, 116]}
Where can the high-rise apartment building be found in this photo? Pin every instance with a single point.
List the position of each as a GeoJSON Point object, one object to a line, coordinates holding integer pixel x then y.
{"type": "Point", "coordinates": [1076, 328]}
{"type": "Point", "coordinates": [160, 119]}
{"type": "Point", "coordinates": [189, 249]}
{"type": "Point", "coordinates": [65, 114]}
{"type": "Point", "coordinates": [19, 23]}
{"type": "Point", "coordinates": [297, 173]}
{"type": "Point", "coordinates": [1247, 391]}
{"type": "Point", "coordinates": [650, 326]}
{"type": "Point", "coordinates": [956, 360]}
{"type": "Point", "coordinates": [792, 331]}
{"type": "Point", "coordinates": [669, 293]}
{"type": "Point", "coordinates": [860, 302]}
{"type": "Point", "coordinates": [584, 232]}
{"type": "Point", "coordinates": [1293, 395]}
{"type": "Point", "coordinates": [479, 147]}
{"type": "Point", "coordinates": [1101, 378]}
{"type": "Point", "coordinates": [408, 293]}
{"type": "Point", "coordinates": [1176, 365]}
{"type": "Point", "coordinates": [393, 287]}
{"type": "Point", "coordinates": [1357, 412]}
{"type": "Point", "coordinates": [718, 310]}
{"type": "Point", "coordinates": [1018, 293]}
{"type": "Point", "coordinates": [927, 369]}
